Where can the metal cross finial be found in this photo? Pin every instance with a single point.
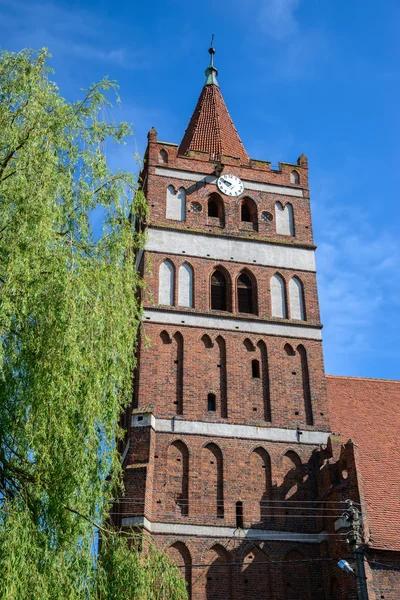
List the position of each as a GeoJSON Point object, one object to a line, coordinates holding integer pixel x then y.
{"type": "Point", "coordinates": [211, 51]}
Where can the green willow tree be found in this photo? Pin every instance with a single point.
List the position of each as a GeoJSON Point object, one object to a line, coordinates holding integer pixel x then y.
{"type": "Point", "coordinates": [69, 316]}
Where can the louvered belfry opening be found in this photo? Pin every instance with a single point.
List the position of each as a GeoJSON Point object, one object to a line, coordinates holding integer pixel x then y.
{"type": "Point", "coordinates": [218, 291]}
{"type": "Point", "coordinates": [245, 294]}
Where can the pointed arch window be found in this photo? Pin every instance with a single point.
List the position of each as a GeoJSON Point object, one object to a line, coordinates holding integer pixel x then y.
{"type": "Point", "coordinates": [284, 219]}
{"type": "Point", "coordinates": [248, 210]}
{"type": "Point", "coordinates": [295, 177]}
{"type": "Point", "coordinates": [218, 291]}
{"type": "Point", "coordinates": [163, 156]}
{"type": "Point", "coordinates": [215, 209]}
{"type": "Point", "coordinates": [245, 294]}
{"type": "Point", "coordinates": [176, 203]}
{"type": "Point", "coordinates": [246, 214]}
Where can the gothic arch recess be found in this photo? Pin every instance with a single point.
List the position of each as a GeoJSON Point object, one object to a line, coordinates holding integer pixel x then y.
{"type": "Point", "coordinates": [278, 296]}
{"type": "Point", "coordinates": [212, 474]}
{"type": "Point", "coordinates": [301, 357]}
{"type": "Point", "coordinates": [166, 283]}
{"type": "Point", "coordinates": [284, 220]}
{"type": "Point", "coordinates": [180, 554]}
{"type": "Point", "coordinates": [259, 371]}
{"type": "Point", "coordinates": [296, 299]}
{"type": "Point", "coordinates": [306, 384]}
{"type": "Point", "coordinates": [261, 486]}
{"type": "Point", "coordinates": [255, 575]}
{"type": "Point", "coordinates": [223, 384]}
{"type": "Point", "coordinates": [218, 575]}
{"type": "Point", "coordinates": [175, 203]}
{"type": "Point", "coordinates": [185, 285]}
{"type": "Point", "coordinates": [179, 372]}
{"type": "Point", "coordinates": [178, 476]}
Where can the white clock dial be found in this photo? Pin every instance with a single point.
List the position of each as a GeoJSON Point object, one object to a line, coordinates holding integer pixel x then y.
{"type": "Point", "coordinates": [230, 185]}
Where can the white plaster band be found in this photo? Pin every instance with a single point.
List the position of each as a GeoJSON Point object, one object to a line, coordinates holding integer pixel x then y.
{"type": "Point", "coordinates": [170, 317]}
{"type": "Point", "coordinates": [226, 249]}
{"type": "Point", "coordinates": [229, 430]}
{"type": "Point", "coordinates": [223, 532]}
{"type": "Point", "coordinates": [248, 185]}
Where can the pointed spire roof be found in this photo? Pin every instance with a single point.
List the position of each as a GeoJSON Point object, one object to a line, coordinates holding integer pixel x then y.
{"type": "Point", "coordinates": [211, 128]}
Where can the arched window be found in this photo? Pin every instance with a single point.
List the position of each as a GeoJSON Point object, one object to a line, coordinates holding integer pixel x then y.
{"type": "Point", "coordinates": [218, 291]}
{"type": "Point", "coordinates": [215, 208]}
{"type": "Point", "coordinates": [163, 156]}
{"type": "Point", "coordinates": [296, 299]}
{"type": "Point", "coordinates": [245, 216]}
{"type": "Point", "coordinates": [255, 369]}
{"type": "Point", "coordinates": [239, 515]}
{"type": "Point", "coordinates": [284, 219]}
{"type": "Point", "coordinates": [185, 286]}
{"type": "Point", "coordinates": [294, 177]}
{"type": "Point", "coordinates": [245, 294]}
{"type": "Point", "coordinates": [248, 212]}
{"type": "Point", "coordinates": [176, 204]}
{"type": "Point", "coordinates": [278, 296]}
{"type": "Point", "coordinates": [211, 403]}
{"type": "Point", "coordinates": [166, 283]}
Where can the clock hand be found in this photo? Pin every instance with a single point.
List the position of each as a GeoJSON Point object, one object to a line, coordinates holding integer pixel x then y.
{"type": "Point", "coordinates": [226, 182]}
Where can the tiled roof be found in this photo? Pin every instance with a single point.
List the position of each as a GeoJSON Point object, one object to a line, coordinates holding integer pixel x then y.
{"type": "Point", "coordinates": [211, 128]}
{"type": "Point", "coordinates": [367, 411]}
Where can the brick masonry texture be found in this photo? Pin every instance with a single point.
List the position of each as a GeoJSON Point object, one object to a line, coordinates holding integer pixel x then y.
{"type": "Point", "coordinates": [243, 484]}
{"type": "Point", "coordinates": [211, 127]}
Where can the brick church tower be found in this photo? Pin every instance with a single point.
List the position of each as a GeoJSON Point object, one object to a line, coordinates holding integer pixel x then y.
{"type": "Point", "coordinates": [230, 404]}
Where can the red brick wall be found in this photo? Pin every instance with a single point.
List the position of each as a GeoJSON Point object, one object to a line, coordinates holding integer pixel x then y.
{"type": "Point", "coordinates": [157, 379]}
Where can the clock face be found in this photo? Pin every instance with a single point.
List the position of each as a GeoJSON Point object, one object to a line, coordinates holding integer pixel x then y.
{"type": "Point", "coordinates": [230, 185]}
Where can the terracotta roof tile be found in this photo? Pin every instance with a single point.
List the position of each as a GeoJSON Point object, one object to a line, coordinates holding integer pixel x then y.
{"type": "Point", "coordinates": [367, 411]}
{"type": "Point", "coordinates": [211, 128]}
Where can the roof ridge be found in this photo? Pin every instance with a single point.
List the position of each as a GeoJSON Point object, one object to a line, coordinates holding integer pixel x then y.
{"type": "Point", "coordinates": [362, 378]}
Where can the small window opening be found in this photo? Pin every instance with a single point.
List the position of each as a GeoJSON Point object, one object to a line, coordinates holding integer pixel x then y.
{"type": "Point", "coordinates": [211, 403]}
{"type": "Point", "coordinates": [245, 295]}
{"type": "Point", "coordinates": [255, 369]}
{"type": "Point", "coordinates": [239, 514]}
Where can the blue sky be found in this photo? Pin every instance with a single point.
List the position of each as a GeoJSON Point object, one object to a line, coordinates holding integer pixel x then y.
{"type": "Point", "coordinates": [298, 76]}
